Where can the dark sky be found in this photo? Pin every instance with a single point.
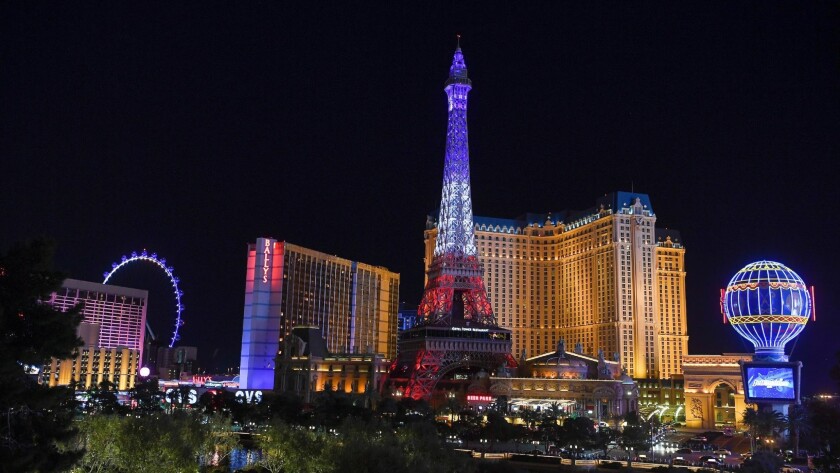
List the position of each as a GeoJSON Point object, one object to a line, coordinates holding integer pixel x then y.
{"type": "Point", "coordinates": [193, 129]}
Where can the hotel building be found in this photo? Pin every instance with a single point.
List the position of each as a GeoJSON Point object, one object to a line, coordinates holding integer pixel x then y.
{"type": "Point", "coordinates": [112, 329]}
{"type": "Point", "coordinates": [89, 366]}
{"type": "Point", "coordinates": [605, 278]}
{"type": "Point", "coordinates": [307, 367]}
{"type": "Point", "coordinates": [286, 286]}
{"type": "Point", "coordinates": [120, 312]}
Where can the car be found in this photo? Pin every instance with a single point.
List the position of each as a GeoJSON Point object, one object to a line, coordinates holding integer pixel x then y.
{"type": "Point", "coordinates": [699, 438]}
{"type": "Point", "coordinates": [722, 452]}
{"type": "Point", "coordinates": [789, 469]}
{"type": "Point", "coordinates": [684, 450]}
{"type": "Point", "coordinates": [679, 461]}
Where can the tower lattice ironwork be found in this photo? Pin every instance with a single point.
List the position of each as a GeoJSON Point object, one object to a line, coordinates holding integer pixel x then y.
{"type": "Point", "coordinates": [455, 272]}
{"type": "Point", "coordinates": [457, 327]}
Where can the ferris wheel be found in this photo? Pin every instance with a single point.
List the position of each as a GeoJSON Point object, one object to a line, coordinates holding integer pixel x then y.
{"type": "Point", "coordinates": [170, 273]}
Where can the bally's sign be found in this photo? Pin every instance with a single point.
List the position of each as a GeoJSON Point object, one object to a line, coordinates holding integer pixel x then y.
{"type": "Point", "coordinates": [266, 260]}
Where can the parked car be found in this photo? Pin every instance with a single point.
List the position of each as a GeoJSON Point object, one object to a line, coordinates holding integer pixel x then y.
{"type": "Point", "coordinates": [722, 452]}
{"type": "Point", "coordinates": [789, 469]}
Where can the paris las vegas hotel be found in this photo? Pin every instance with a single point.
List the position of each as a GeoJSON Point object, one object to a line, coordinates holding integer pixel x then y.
{"type": "Point", "coordinates": [605, 278]}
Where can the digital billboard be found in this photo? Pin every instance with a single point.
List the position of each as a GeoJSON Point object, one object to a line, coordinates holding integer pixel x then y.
{"type": "Point", "coordinates": [771, 382]}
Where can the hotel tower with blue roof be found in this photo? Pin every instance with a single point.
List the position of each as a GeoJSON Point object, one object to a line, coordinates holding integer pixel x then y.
{"type": "Point", "coordinates": [605, 278]}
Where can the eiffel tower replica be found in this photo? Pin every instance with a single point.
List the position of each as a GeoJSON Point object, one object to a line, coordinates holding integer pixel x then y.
{"type": "Point", "coordinates": [457, 329]}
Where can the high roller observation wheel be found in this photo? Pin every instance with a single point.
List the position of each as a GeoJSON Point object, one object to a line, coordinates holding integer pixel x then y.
{"type": "Point", "coordinates": [170, 273]}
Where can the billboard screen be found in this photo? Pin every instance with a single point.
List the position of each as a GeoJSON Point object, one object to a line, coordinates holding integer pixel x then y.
{"type": "Point", "coordinates": [771, 381]}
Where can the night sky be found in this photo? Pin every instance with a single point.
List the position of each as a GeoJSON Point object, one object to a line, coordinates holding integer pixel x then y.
{"type": "Point", "coordinates": [192, 129]}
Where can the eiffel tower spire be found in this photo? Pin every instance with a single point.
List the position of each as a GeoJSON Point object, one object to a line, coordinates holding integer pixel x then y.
{"type": "Point", "coordinates": [455, 291]}
{"type": "Point", "coordinates": [455, 223]}
{"type": "Point", "coordinates": [458, 330]}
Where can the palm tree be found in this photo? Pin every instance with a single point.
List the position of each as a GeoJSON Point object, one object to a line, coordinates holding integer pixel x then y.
{"type": "Point", "coordinates": [554, 410]}
{"type": "Point", "coordinates": [765, 423]}
{"type": "Point", "coordinates": [530, 417]}
{"type": "Point", "coordinates": [750, 416]}
{"type": "Point", "coordinates": [799, 423]}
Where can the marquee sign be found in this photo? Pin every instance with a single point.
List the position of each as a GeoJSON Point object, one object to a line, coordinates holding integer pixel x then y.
{"type": "Point", "coordinates": [479, 398]}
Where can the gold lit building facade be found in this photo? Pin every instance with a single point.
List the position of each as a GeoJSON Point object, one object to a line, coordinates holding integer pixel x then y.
{"type": "Point", "coordinates": [89, 366]}
{"type": "Point", "coordinates": [605, 278]}
{"type": "Point", "coordinates": [286, 286]}
{"type": "Point", "coordinates": [306, 367]}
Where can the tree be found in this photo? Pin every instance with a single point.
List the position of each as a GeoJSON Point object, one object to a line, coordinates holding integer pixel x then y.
{"type": "Point", "coordinates": [155, 443]}
{"type": "Point", "coordinates": [424, 452]}
{"type": "Point", "coordinates": [97, 435]}
{"type": "Point", "coordinates": [530, 417]}
{"type": "Point", "coordinates": [146, 397]}
{"type": "Point", "coordinates": [290, 449]}
{"type": "Point", "coordinates": [286, 407]}
{"type": "Point", "coordinates": [103, 399]}
{"type": "Point", "coordinates": [219, 440]}
{"type": "Point", "coordinates": [825, 436]}
{"type": "Point", "coordinates": [502, 405]}
{"type": "Point", "coordinates": [799, 424]}
{"type": "Point", "coordinates": [604, 437]}
{"type": "Point", "coordinates": [554, 410]}
{"type": "Point", "coordinates": [34, 419]}
{"type": "Point", "coordinates": [370, 448]}
{"type": "Point", "coordinates": [635, 434]}
{"type": "Point", "coordinates": [750, 419]}
{"type": "Point", "coordinates": [497, 427]}
{"type": "Point", "coordinates": [763, 423]}
{"type": "Point", "coordinates": [578, 431]}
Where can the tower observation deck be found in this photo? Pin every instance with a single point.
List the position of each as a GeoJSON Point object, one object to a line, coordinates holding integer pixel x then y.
{"type": "Point", "coordinates": [456, 328]}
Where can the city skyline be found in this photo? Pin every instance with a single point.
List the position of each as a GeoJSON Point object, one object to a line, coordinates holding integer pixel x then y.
{"type": "Point", "coordinates": [192, 135]}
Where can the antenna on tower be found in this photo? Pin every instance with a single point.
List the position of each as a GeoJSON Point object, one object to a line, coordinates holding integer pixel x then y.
{"type": "Point", "coordinates": [459, 41]}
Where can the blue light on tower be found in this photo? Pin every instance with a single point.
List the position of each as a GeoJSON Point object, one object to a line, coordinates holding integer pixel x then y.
{"type": "Point", "coordinates": [768, 304]}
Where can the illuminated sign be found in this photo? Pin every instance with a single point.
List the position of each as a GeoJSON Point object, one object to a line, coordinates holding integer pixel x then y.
{"type": "Point", "coordinates": [771, 382]}
{"type": "Point", "coordinates": [469, 329]}
{"type": "Point", "coordinates": [174, 395]}
{"type": "Point", "coordinates": [266, 259]}
{"type": "Point", "coordinates": [200, 380]}
{"type": "Point", "coordinates": [249, 396]}
{"type": "Point", "coordinates": [479, 398]}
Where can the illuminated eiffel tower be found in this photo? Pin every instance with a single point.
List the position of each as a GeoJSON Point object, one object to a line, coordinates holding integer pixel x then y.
{"type": "Point", "coordinates": [457, 328]}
